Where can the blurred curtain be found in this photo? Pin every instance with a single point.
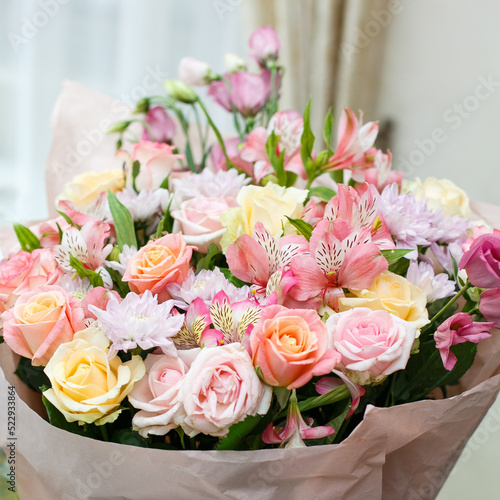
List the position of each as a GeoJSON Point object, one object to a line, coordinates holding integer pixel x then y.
{"type": "Point", "coordinates": [332, 50]}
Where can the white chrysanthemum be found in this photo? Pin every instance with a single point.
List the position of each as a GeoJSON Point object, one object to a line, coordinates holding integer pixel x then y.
{"type": "Point", "coordinates": [208, 184]}
{"type": "Point", "coordinates": [139, 322]}
{"type": "Point", "coordinates": [144, 205]}
{"type": "Point", "coordinates": [436, 287]}
{"type": "Point", "coordinates": [123, 258]}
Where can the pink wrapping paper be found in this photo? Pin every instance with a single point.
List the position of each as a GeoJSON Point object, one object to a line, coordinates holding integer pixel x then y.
{"type": "Point", "coordinates": [405, 451]}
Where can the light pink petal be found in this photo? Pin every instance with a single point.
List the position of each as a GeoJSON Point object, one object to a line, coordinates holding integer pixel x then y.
{"type": "Point", "coordinates": [248, 260]}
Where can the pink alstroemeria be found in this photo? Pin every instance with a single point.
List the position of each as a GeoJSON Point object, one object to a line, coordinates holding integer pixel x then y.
{"type": "Point", "coordinates": [264, 260]}
{"type": "Point", "coordinates": [243, 91]}
{"type": "Point", "coordinates": [235, 320]}
{"type": "Point", "coordinates": [88, 246]}
{"type": "Point", "coordinates": [196, 331]}
{"type": "Point", "coordinates": [160, 126]}
{"type": "Point", "coordinates": [353, 140]}
{"type": "Point", "coordinates": [288, 127]}
{"type": "Point", "coordinates": [340, 257]}
{"type": "Point", "coordinates": [360, 209]}
{"type": "Point", "coordinates": [458, 329]}
{"type": "Point", "coordinates": [380, 174]}
{"type": "Point", "coordinates": [295, 430]}
{"type": "Point", "coordinates": [327, 384]}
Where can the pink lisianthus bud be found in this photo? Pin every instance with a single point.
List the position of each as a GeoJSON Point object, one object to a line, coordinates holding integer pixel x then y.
{"type": "Point", "coordinates": [265, 43]}
{"type": "Point", "coordinates": [161, 126]}
{"type": "Point", "coordinates": [458, 329]}
{"type": "Point", "coordinates": [98, 297]}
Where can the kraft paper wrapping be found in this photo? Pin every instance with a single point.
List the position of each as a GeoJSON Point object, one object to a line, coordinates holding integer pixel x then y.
{"type": "Point", "coordinates": [405, 451]}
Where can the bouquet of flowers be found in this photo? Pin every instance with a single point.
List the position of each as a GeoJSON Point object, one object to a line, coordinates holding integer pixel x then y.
{"type": "Point", "coordinates": [248, 292]}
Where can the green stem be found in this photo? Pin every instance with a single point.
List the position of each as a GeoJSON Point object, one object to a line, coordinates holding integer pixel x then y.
{"type": "Point", "coordinates": [104, 432]}
{"type": "Point", "coordinates": [200, 133]}
{"type": "Point", "coordinates": [229, 163]}
{"type": "Point", "coordinates": [448, 305]}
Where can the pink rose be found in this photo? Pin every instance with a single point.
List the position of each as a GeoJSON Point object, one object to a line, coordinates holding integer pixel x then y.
{"type": "Point", "coordinates": [265, 43]}
{"type": "Point", "coordinates": [199, 220]}
{"type": "Point", "coordinates": [161, 261]}
{"type": "Point", "coordinates": [161, 126]}
{"type": "Point", "coordinates": [40, 321]}
{"type": "Point", "coordinates": [157, 161]}
{"type": "Point", "coordinates": [482, 261]}
{"type": "Point", "coordinates": [220, 389]}
{"type": "Point", "coordinates": [25, 271]}
{"type": "Point", "coordinates": [155, 394]}
{"type": "Point", "coordinates": [458, 329]}
{"type": "Point", "coordinates": [290, 346]}
{"type": "Point", "coordinates": [98, 297]}
{"type": "Point", "coordinates": [489, 305]}
{"type": "Point", "coordinates": [476, 232]}
{"type": "Point", "coordinates": [373, 344]}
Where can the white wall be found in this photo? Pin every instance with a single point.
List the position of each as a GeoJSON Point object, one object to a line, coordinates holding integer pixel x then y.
{"type": "Point", "coordinates": [438, 53]}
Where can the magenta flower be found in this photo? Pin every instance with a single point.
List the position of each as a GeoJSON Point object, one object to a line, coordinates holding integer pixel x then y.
{"type": "Point", "coordinates": [482, 261]}
{"type": "Point", "coordinates": [295, 430]}
{"type": "Point", "coordinates": [458, 329]}
{"type": "Point", "coordinates": [340, 257]}
{"type": "Point", "coordinates": [161, 126]}
{"type": "Point", "coordinates": [489, 305]}
{"type": "Point", "coordinates": [353, 140]}
{"type": "Point", "coordinates": [265, 44]}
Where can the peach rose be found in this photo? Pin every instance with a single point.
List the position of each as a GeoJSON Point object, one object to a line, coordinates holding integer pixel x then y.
{"type": "Point", "coordinates": [160, 262]}
{"type": "Point", "coordinates": [290, 346]}
{"type": "Point", "coordinates": [40, 321]}
{"type": "Point", "coordinates": [23, 272]}
{"type": "Point", "coordinates": [199, 220]}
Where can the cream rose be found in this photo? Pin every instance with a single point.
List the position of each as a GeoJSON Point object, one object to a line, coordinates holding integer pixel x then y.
{"type": "Point", "coordinates": [87, 387]}
{"type": "Point", "coordinates": [86, 187]}
{"type": "Point", "coordinates": [441, 195]}
{"type": "Point", "coordinates": [393, 294]}
{"type": "Point", "coordinates": [269, 204]}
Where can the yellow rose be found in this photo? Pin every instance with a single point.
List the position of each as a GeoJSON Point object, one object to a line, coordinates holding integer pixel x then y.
{"type": "Point", "coordinates": [87, 387]}
{"type": "Point", "coordinates": [441, 195]}
{"type": "Point", "coordinates": [268, 204]}
{"type": "Point", "coordinates": [86, 187]}
{"type": "Point", "coordinates": [393, 294]}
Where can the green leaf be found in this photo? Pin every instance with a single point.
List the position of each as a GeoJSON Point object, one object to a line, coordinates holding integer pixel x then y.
{"type": "Point", "coordinates": [307, 144]}
{"type": "Point", "coordinates": [329, 398]}
{"type": "Point", "coordinates": [130, 437]}
{"type": "Point", "coordinates": [341, 411]}
{"type": "Point", "coordinates": [291, 177]}
{"type": "Point", "coordinates": [33, 376]}
{"type": "Point", "coordinates": [180, 431]}
{"type": "Point", "coordinates": [57, 419]}
{"type": "Point", "coordinates": [124, 225]}
{"type": "Point", "coordinates": [165, 183]}
{"type": "Point", "coordinates": [166, 224]}
{"type": "Point", "coordinates": [238, 432]}
{"type": "Point", "coordinates": [207, 261]}
{"type": "Point", "coordinates": [338, 176]}
{"type": "Point", "coordinates": [304, 228]}
{"type": "Point", "coordinates": [136, 168]}
{"type": "Point", "coordinates": [119, 127]}
{"type": "Point", "coordinates": [28, 240]}
{"type": "Point", "coordinates": [323, 192]}
{"type": "Point", "coordinates": [94, 278]}
{"type": "Point", "coordinates": [121, 286]}
{"type": "Point", "coordinates": [282, 395]}
{"type": "Point", "coordinates": [327, 130]}
{"type": "Point", "coordinates": [68, 219]}
{"type": "Point", "coordinates": [277, 161]}
{"type": "Point", "coordinates": [395, 254]}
